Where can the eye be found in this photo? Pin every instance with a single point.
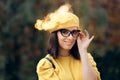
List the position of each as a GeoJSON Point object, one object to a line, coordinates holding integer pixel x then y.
{"type": "Point", "coordinates": [75, 33]}
{"type": "Point", "coordinates": [64, 31]}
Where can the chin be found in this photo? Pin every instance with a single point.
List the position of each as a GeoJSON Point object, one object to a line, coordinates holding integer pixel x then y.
{"type": "Point", "coordinates": [67, 47]}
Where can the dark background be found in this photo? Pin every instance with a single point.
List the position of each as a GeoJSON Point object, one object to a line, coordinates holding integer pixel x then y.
{"type": "Point", "coordinates": [22, 46]}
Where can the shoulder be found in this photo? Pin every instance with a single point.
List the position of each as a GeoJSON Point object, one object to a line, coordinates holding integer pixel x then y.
{"type": "Point", "coordinates": [44, 63]}
{"type": "Point", "coordinates": [91, 59]}
{"type": "Point", "coordinates": [90, 56]}
{"type": "Point", "coordinates": [94, 65]}
{"type": "Point", "coordinates": [45, 70]}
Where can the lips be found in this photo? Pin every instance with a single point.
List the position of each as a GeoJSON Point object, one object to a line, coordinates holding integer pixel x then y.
{"type": "Point", "coordinates": [68, 42]}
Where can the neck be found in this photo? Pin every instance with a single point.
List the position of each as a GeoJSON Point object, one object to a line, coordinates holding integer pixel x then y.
{"type": "Point", "coordinates": [63, 52]}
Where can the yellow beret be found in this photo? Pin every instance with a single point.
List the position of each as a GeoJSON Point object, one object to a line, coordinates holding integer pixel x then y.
{"type": "Point", "coordinates": [57, 20]}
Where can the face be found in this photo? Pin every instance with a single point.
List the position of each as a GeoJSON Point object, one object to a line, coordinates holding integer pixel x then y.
{"type": "Point", "coordinates": [67, 37]}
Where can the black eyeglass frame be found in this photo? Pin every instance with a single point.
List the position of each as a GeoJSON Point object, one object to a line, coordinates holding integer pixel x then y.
{"type": "Point", "coordinates": [74, 33]}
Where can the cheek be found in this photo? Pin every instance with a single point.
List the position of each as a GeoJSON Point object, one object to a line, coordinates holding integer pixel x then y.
{"type": "Point", "coordinates": [61, 40]}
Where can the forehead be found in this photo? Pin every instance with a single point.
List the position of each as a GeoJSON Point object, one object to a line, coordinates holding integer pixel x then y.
{"type": "Point", "coordinates": [71, 28]}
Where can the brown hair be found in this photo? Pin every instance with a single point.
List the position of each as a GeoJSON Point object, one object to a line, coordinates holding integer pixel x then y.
{"type": "Point", "coordinates": [53, 47]}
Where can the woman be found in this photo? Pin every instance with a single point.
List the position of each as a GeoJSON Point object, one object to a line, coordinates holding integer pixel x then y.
{"type": "Point", "coordinates": [67, 58]}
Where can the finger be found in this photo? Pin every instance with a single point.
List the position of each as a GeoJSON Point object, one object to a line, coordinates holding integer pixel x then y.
{"type": "Point", "coordinates": [91, 38]}
{"type": "Point", "coordinates": [82, 34]}
{"type": "Point", "coordinates": [86, 33]}
{"type": "Point", "coordinates": [78, 40]}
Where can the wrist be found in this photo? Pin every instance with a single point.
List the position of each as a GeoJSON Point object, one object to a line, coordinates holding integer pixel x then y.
{"type": "Point", "coordinates": [83, 51]}
{"type": "Point", "coordinates": [83, 54]}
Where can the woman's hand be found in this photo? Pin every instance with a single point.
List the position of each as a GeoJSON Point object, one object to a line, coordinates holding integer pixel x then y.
{"type": "Point", "coordinates": [83, 41]}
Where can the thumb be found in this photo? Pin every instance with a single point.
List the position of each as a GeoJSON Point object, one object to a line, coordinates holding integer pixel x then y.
{"type": "Point", "coordinates": [91, 38]}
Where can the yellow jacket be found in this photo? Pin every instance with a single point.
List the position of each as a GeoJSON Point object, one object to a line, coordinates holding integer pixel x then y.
{"type": "Point", "coordinates": [66, 68]}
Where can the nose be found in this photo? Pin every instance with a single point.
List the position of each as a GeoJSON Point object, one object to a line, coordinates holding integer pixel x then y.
{"type": "Point", "coordinates": [70, 36]}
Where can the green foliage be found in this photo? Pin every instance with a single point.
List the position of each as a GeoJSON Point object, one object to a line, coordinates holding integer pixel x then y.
{"type": "Point", "coordinates": [22, 46]}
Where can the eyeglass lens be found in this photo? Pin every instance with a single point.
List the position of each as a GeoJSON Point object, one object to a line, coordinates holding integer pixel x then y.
{"type": "Point", "coordinates": [67, 33]}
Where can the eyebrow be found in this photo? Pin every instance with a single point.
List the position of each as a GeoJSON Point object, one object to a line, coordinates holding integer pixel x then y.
{"type": "Point", "coordinates": [69, 30]}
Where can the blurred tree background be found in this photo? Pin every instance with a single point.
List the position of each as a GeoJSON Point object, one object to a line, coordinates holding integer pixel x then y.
{"type": "Point", "coordinates": [22, 46]}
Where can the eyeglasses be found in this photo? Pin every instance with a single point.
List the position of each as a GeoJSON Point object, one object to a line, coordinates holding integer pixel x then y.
{"type": "Point", "coordinates": [67, 33]}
